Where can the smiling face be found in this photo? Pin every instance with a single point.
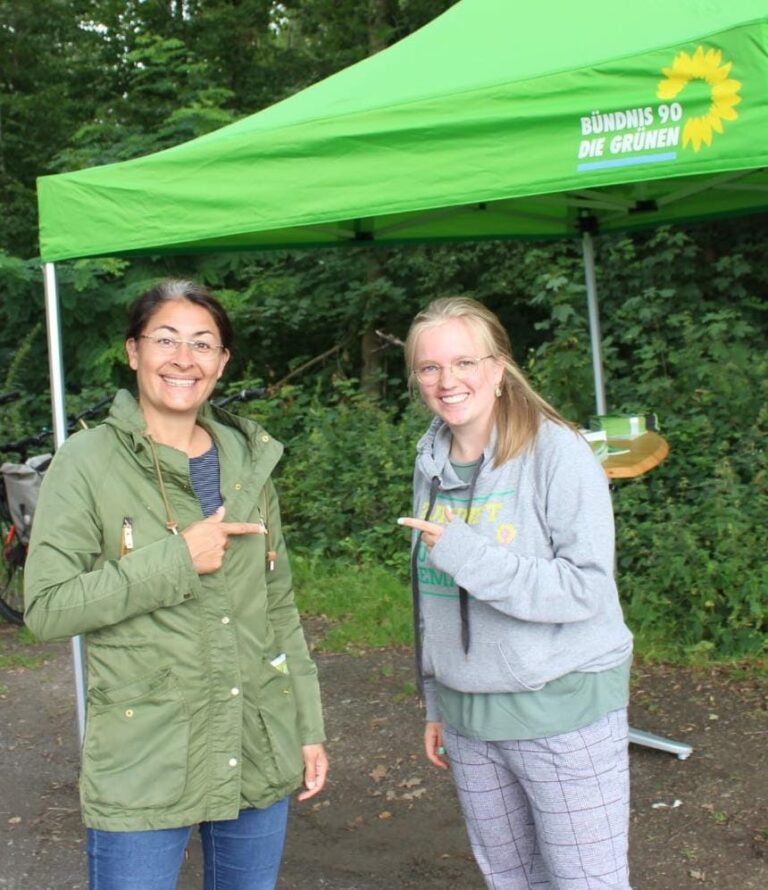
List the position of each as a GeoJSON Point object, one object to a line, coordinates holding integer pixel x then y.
{"type": "Point", "coordinates": [467, 405]}
{"type": "Point", "coordinates": [176, 384]}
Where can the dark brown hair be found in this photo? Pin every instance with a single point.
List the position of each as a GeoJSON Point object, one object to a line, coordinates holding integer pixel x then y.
{"type": "Point", "coordinates": [142, 309]}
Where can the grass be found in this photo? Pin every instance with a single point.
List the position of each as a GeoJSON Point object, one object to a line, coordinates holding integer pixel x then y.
{"type": "Point", "coordinates": [21, 661]}
{"type": "Point", "coordinates": [25, 635]}
{"type": "Point", "coordinates": [367, 606]}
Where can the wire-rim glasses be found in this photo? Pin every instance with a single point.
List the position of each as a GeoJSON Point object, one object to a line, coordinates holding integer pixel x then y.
{"type": "Point", "coordinates": [460, 368]}
{"type": "Point", "coordinates": [171, 345]}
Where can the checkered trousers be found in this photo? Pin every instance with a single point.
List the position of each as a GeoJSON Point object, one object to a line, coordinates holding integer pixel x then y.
{"type": "Point", "coordinates": [551, 813]}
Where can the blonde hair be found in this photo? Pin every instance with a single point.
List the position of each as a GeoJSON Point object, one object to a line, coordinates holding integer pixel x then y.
{"type": "Point", "coordinates": [519, 408]}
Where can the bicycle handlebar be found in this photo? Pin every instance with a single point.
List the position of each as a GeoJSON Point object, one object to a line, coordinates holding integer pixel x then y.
{"type": "Point", "coordinates": [245, 395]}
{"type": "Point", "coordinates": [23, 445]}
{"type": "Point", "coordinates": [9, 397]}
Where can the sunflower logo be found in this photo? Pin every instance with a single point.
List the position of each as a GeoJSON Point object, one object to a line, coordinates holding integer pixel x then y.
{"type": "Point", "coordinates": [703, 65]}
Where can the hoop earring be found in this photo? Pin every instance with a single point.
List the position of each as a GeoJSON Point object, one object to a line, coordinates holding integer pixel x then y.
{"type": "Point", "coordinates": [497, 391]}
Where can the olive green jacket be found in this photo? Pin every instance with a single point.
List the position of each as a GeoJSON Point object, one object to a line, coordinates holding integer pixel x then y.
{"type": "Point", "coordinates": [187, 720]}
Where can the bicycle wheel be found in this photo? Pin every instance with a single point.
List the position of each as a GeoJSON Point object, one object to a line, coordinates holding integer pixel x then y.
{"type": "Point", "coordinates": [11, 575]}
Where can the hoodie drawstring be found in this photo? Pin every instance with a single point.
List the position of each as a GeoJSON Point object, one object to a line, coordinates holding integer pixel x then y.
{"type": "Point", "coordinates": [433, 490]}
{"type": "Point", "coordinates": [463, 595]}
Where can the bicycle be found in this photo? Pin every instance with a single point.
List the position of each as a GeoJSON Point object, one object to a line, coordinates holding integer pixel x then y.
{"type": "Point", "coordinates": [17, 511]}
{"type": "Point", "coordinates": [18, 498]}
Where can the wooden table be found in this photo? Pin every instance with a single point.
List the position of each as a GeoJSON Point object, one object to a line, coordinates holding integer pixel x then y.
{"type": "Point", "coordinates": [642, 454]}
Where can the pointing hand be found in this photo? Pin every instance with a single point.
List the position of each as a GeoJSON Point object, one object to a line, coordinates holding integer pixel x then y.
{"type": "Point", "coordinates": [431, 532]}
{"type": "Point", "coordinates": [208, 539]}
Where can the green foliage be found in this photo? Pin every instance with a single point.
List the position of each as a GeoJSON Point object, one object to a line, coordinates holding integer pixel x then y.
{"type": "Point", "coordinates": [690, 566]}
{"type": "Point", "coordinates": [346, 475]}
{"type": "Point", "coordinates": [684, 336]}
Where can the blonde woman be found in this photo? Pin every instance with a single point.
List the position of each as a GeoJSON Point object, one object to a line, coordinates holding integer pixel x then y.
{"type": "Point", "coordinates": [522, 651]}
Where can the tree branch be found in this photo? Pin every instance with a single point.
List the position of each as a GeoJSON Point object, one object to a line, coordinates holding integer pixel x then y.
{"type": "Point", "coordinates": [390, 338]}
{"type": "Point", "coordinates": [296, 371]}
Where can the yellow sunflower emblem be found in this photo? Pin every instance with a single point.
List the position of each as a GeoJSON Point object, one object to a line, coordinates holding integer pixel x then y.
{"type": "Point", "coordinates": [704, 65]}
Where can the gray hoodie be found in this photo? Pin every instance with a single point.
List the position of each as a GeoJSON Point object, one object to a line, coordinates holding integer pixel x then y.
{"type": "Point", "coordinates": [536, 557]}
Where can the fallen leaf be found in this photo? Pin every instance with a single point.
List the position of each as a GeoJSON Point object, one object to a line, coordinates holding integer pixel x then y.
{"type": "Point", "coordinates": [410, 783]}
{"type": "Point", "coordinates": [385, 814]}
{"type": "Point", "coordinates": [378, 772]}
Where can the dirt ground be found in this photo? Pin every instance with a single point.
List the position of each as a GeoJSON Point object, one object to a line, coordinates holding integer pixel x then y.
{"type": "Point", "coordinates": [388, 820]}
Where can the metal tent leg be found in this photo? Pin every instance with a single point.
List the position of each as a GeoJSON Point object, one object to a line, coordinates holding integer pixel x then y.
{"type": "Point", "coordinates": [588, 251]}
{"type": "Point", "coordinates": [58, 408]}
{"type": "Point", "coordinates": [649, 740]}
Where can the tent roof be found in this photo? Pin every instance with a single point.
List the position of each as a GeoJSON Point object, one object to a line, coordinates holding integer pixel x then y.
{"type": "Point", "coordinates": [492, 121]}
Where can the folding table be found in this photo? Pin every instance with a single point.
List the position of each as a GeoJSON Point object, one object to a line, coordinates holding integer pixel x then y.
{"type": "Point", "coordinates": [637, 456]}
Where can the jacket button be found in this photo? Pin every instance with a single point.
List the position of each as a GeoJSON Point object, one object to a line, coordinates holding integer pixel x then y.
{"type": "Point", "coordinates": [238, 486]}
{"type": "Point", "coordinates": [234, 690]}
{"type": "Point", "coordinates": [233, 761]}
{"type": "Point", "coordinates": [265, 438]}
{"type": "Point", "coordinates": [225, 619]}
{"type": "Point", "coordinates": [129, 712]}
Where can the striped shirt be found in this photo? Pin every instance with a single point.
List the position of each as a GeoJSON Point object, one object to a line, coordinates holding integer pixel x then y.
{"type": "Point", "coordinates": [204, 475]}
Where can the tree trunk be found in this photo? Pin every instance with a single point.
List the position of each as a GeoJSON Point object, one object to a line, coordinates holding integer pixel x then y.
{"type": "Point", "coordinates": [370, 345]}
{"type": "Point", "coordinates": [380, 28]}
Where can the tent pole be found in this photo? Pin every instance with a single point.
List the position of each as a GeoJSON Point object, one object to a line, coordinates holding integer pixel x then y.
{"type": "Point", "coordinates": [56, 373]}
{"type": "Point", "coordinates": [55, 363]}
{"type": "Point", "coordinates": [588, 249]}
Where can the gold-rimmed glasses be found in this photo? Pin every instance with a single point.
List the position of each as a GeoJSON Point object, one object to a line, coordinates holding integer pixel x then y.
{"type": "Point", "coordinates": [461, 368]}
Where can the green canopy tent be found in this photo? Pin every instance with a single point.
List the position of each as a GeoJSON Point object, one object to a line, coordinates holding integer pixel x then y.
{"type": "Point", "coordinates": [494, 121]}
{"type": "Point", "coordinates": [497, 120]}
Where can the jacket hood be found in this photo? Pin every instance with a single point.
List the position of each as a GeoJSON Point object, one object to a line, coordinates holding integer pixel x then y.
{"type": "Point", "coordinates": [433, 454]}
{"type": "Point", "coordinates": [126, 416]}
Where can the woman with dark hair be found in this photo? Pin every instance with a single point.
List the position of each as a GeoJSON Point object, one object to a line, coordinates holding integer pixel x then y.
{"type": "Point", "coordinates": [158, 537]}
{"type": "Point", "coordinates": [522, 651]}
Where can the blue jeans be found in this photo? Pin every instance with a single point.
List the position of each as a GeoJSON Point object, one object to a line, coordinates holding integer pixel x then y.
{"type": "Point", "coordinates": [239, 854]}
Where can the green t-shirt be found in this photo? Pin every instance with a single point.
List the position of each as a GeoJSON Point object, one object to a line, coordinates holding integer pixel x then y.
{"type": "Point", "coordinates": [567, 703]}
{"type": "Point", "coordinates": [562, 705]}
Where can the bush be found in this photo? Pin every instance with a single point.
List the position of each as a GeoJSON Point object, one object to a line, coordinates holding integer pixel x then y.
{"type": "Point", "coordinates": [690, 542]}
{"type": "Point", "coordinates": [346, 475]}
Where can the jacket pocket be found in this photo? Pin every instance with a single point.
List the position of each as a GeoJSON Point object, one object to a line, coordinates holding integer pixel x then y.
{"type": "Point", "coordinates": [136, 744]}
{"type": "Point", "coordinates": [281, 760]}
{"type": "Point", "coordinates": [525, 676]}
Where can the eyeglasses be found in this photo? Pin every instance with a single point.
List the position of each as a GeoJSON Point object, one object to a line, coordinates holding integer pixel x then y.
{"type": "Point", "coordinates": [171, 345]}
{"type": "Point", "coordinates": [460, 369]}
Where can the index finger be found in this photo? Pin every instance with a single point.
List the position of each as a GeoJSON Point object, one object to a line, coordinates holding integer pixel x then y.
{"type": "Point", "coordinates": [420, 525]}
{"type": "Point", "coordinates": [243, 528]}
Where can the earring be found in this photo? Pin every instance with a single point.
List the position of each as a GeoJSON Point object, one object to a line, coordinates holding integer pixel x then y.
{"type": "Point", "coordinates": [497, 391]}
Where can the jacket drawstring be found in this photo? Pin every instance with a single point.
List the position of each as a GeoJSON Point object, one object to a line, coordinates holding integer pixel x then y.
{"type": "Point", "coordinates": [171, 523]}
